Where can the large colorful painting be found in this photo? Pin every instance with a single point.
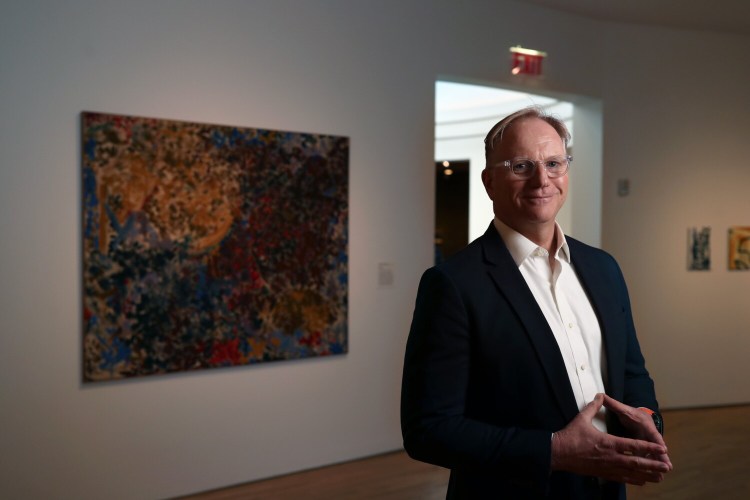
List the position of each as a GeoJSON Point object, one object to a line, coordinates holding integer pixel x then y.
{"type": "Point", "coordinates": [210, 246]}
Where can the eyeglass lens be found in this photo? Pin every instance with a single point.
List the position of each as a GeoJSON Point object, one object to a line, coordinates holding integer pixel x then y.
{"type": "Point", "coordinates": [555, 166]}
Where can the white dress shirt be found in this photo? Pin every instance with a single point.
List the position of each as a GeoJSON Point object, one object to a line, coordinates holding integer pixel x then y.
{"type": "Point", "coordinates": [568, 311]}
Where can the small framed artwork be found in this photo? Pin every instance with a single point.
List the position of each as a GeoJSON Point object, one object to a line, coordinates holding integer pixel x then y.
{"type": "Point", "coordinates": [739, 248]}
{"type": "Point", "coordinates": [699, 249]}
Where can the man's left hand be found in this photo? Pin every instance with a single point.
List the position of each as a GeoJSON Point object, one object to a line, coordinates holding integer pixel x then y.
{"type": "Point", "coordinates": [638, 422]}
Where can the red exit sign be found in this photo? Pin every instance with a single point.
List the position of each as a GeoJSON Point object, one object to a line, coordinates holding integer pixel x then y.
{"type": "Point", "coordinates": [526, 61]}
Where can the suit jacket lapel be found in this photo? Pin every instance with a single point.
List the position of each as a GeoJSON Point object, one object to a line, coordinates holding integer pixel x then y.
{"type": "Point", "coordinates": [513, 287]}
{"type": "Point", "coordinates": [608, 312]}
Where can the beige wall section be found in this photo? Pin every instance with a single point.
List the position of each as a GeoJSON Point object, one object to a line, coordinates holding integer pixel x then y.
{"type": "Point", "coordinates": [676, 125]}
{"type": "Point", "coordinates": [366, 70]}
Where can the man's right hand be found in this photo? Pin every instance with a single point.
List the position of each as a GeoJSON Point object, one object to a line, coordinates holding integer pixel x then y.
{"type": "Point", "coordinates": [582, 449]}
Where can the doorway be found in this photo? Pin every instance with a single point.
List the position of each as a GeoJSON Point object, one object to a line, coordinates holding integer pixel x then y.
{"type": "Point", "coordinates": [451, 207]}
{"type": "Point", "coordinates": [463, 115]}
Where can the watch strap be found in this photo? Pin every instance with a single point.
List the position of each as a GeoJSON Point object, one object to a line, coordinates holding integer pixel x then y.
{"type": "Point", "coordinates": [656, 417]}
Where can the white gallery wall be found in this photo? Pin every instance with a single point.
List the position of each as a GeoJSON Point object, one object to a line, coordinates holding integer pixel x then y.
{"type": "Point", "coordinates": [674, 124]}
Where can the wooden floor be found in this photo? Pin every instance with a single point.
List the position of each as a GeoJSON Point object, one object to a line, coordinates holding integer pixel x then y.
{"type": "Point", "coordinates": [709, 448]}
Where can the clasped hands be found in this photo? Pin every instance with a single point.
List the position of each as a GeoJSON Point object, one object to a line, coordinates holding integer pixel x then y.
{"type": "Point", "coordinates": [582, 449]}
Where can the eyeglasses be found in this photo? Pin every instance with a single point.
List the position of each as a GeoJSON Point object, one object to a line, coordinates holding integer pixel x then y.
{"type": "Point", "coordinates": [556, 166]}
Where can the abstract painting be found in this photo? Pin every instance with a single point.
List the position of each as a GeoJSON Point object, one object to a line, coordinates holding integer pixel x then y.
{"type": "Point", "coordinates": [210, 246]}
{"type": "Point", "coordinates": [699, 249]}
{"type": "Point", "coordinates": [739, 248]}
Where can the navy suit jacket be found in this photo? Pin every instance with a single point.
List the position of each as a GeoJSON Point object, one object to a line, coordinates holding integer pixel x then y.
{"type": "Point", "coordinates": [484, 382]}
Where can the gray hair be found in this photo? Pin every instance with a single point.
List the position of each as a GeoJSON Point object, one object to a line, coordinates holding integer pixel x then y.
{"type": "Point", "coordinates": [496, 132]}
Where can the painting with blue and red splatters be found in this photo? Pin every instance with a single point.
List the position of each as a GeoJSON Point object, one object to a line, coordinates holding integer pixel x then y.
{"type": "Point", "coordinates": [210, 246]}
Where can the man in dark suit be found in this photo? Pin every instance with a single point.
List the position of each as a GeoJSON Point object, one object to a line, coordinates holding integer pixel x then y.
{"type": "Point", "coordinates": [523, 373]}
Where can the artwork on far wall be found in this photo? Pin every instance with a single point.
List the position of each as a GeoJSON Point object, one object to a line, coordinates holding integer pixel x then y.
{"type": "Point", "coordinates": [739, 248]}
{"type": "Point", "coordinates": [210, 246]}
{"type": "Point", "coordinates": [699, 249]}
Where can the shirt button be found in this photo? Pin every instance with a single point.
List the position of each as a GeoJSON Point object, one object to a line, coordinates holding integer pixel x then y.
{"type": "Point", "coordinates": [583, 367]}
{"type": "Point", "coordinates": [570, 325]}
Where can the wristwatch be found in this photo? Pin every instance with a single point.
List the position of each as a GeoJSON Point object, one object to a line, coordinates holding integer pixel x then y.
{"type": "Point", "coordinates": [656, 416]}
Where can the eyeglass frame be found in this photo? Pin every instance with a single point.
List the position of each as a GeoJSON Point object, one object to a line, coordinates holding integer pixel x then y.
{"type": "Point", "coordinates": [509, 165]}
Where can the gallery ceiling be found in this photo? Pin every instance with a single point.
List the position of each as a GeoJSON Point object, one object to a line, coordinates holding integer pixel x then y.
{"type": "Point", "coordinates": [730, 16]}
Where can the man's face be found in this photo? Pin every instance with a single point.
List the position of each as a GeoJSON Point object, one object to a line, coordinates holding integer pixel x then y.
{"type": "Point", "coordinates": [525, 203]}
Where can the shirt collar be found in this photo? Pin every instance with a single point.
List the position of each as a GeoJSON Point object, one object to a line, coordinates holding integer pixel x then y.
{"type": "Point", "coordinates": [520, 247]}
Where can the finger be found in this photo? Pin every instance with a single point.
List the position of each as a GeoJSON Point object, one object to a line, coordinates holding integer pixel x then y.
{"type": "Point", "coordinates": [644, 466]}
{"type": "Point", "coordinates": [636, 470]}
{"type": "Point", "coordinates": [592, 408]}
{"type": "Point", "coordinates": [660, 463]}
{"type": "Point", "coordinates": [633, 414]}
{"type": "Point", "coordinates": [650, 433]}
{"type": "Point", "coordinates": [612, 404]}
{"type": "Point", "coordinates": [665, 459]}
{"type": "Point", "coordinates": [648, 470]}
{"type": "Point", "coordinates": [636, 446]}
{"type": "Point", "coordinates": [635, 455]}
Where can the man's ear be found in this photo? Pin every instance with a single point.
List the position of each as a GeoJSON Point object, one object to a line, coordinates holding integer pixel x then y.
{"type": "Point", "coordinates": [487, 181]}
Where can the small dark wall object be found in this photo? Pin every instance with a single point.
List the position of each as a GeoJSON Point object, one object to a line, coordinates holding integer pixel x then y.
{"type": "Point", "coordinates": [699, 249]}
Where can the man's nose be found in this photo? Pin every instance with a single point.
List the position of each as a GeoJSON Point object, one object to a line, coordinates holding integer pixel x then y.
{"type": "Point", "coordinates": [540, 176]}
